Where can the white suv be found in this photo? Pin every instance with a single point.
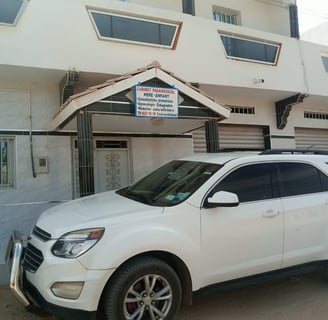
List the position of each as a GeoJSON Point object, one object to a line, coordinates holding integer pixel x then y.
{"type": "Point", "coordinates": [139, 252]}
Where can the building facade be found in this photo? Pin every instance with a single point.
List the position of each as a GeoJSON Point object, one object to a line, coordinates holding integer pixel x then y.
{"type": "Point", "coordinates": [69, 78]}
{"type": "Point", "coordinates": [317, 34]}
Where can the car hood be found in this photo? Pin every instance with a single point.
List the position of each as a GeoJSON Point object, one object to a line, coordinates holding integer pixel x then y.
{"type": "Point", "coordinates": [99, 210]}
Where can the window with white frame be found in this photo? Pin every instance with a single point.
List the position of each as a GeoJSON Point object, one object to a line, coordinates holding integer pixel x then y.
{"type": "Point", "coordinates": [226, 15]}
{"type": "Point", "coordinates": [251, 50]}
{"type": "Point", "coordinates": [11, 10]}
{"type": "Point", "coordinates": [110, 26]}
{"type": "Point", "coordinates": [6, 162]}
{"type": "Point", "coordinates": [324, 58]}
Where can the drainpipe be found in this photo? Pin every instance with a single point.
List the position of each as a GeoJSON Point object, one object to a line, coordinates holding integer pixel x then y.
{"type": "Point", "coordinates": [30, 133]}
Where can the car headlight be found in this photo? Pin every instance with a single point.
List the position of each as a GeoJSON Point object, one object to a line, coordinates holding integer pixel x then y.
{"type": "Point", "coordinates": [76, 243]}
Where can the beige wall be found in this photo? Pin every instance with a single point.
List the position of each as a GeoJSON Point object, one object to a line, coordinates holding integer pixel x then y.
{"type": "Point", "coordinates": [317, 35]}
{"type": "Point", "coordinates": [49, 39]}
{"type": "Point", "coordinates": [150, 153]}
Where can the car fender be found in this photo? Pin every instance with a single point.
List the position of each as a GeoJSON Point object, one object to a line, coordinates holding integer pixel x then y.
{"type": "Point", "coordinates": [179, 236]}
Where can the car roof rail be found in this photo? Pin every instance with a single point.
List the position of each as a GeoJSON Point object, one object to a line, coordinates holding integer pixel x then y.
{"type": "Point", "coordinates": [295, 151]}
{"type": "Point", "coordinates": [237, 150]}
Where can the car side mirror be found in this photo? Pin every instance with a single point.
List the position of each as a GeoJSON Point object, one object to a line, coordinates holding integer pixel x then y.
{"type": "Point", "coordinates": [223, 199]}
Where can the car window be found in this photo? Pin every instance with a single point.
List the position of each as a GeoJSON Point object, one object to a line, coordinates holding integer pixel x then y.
{"type": "Point", "coordinates": [324, 181]}
{"type": "Point", "coordinates": [171, 184]}
{"type": "Point", "coordinates": [251, 182]}
{"type": "Point", "coordinates": [301, 178]}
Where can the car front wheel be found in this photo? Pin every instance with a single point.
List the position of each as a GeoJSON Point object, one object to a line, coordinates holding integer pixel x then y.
{"type": "Point", "coordinates": [145, 288]}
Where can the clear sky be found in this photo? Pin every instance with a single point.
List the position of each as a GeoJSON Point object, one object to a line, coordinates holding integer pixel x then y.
{"type": "Point", "coordinates": [311, 13]}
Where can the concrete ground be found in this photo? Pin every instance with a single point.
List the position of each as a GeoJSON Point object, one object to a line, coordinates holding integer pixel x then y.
{"type": "Point", "coordinates": [300, 298]}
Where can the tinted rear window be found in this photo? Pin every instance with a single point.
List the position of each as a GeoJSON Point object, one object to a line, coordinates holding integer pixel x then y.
{"type": "Point", "coordinates": [301, 178]}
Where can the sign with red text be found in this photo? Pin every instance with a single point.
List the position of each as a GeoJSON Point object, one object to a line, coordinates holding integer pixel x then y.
{"type": "Point", "coordinates": [156, 102]}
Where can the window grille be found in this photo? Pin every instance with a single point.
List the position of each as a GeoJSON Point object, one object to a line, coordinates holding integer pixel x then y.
{"type": "Point", "coordinates": [111, 144]}
{"type": "Point", "coordinates": [241, 109]}
{"type": "Point", "coordinates": [316, 115]}
{"type": "Point", "coordinates": [226, 15]}
{"type": "Point", "coordinates": [6, 162]}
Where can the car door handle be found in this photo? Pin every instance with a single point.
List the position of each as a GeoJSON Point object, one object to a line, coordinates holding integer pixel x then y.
{"type": "Point", "coordinates": [270, 213]}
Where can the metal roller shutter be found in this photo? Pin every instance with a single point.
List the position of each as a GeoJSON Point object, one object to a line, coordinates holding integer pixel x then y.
{"type": "Point", "coordinates": [234, 137]}
{"type": "Point", "coordinates": [306, 138]}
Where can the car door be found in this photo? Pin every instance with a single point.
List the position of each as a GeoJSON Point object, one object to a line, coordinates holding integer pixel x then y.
{"type": "Point", "coordinates": [246, 239]}
{"type": "Point", "coordinates": [305, 201]}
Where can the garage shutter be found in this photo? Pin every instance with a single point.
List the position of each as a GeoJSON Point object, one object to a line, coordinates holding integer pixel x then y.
{"type": "Point", "coordinates": [232, 137]}
{"type": "Point", "coordinates": [311, 138]}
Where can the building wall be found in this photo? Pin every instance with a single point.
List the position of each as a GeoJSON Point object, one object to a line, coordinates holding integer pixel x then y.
{"type": "Point", "coordinates": [22, 204]}
{"type": "Point", "coordinates": [199, 40]}
{"type": "Point", "coordinates": [317, 34]}
{"type": "Point", "coordinates": [157, 151]}
{"type": "Point", "coordinates": [254, 14]}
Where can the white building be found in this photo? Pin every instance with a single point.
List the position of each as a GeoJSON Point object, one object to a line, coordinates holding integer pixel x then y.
{"type": "Point", "coordinates": [317, 34]}
{"type": "Point", "coordinates": [68, 88]}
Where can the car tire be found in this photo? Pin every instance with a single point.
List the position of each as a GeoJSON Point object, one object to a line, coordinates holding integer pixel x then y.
{"type": "Point", "coordinates": [143, 288]}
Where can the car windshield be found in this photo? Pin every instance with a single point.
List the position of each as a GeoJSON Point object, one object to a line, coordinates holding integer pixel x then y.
{"type": "Point", "coordinates": [171, 183]}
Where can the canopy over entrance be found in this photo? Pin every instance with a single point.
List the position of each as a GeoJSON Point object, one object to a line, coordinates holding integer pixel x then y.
{"type": "Point", "coordinates": [150, 100]}
{"type": "Point", "coordinates": [113, 105]}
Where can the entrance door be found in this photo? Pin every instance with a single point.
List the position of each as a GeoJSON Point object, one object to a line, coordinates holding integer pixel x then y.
{"type": "Point", "coordinates": [112, 165]}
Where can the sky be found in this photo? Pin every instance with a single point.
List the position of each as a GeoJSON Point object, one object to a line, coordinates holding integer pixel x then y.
{"type": "Point", "coordinates": [311, 13]}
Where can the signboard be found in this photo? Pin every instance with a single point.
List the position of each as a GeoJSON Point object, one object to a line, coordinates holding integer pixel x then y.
{"type": "Point", "coordinates": [156, 102]}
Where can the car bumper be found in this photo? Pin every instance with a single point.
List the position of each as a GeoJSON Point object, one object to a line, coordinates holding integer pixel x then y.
{"type": "Point", "coordinates": [28, 293]}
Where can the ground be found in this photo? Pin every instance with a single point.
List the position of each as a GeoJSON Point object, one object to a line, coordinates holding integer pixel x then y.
{"type": "Point", "coordinates": [300, 298]}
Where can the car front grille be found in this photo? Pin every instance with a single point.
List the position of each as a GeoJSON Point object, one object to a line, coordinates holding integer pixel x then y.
{"type": "Point", "coordinates": [33, 258]}
{"type": "Point", "coordinates": [43, 235]}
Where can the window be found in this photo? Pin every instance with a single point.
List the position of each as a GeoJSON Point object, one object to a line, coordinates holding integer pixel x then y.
{"type": "Point", "coordinates": [251, 183]}
{"type": "Point", "coordinates": [226, 15]}
{"type": "Point", "coordinates": [188, 6]}
{"type": "Point", "coordinates": [6, 162]}
{"type": "Point", "coordinates": [316, 115]}
{"type": "Point", "coordinates": [250, 50]}
{"type": "Point", "coordinates": [301, 178]}
{"type": "Point", "coordinates": [241, 109]}
{"type": "Point", "coordinates": [324, 58]}
{"type": "Point", "coordinates": [135, 30]}
{"type": "Point", "coordinates": [10, 11]}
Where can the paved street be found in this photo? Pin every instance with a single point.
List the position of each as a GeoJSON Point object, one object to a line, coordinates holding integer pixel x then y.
{"type": "Point", "coordinates": [300, 298]}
